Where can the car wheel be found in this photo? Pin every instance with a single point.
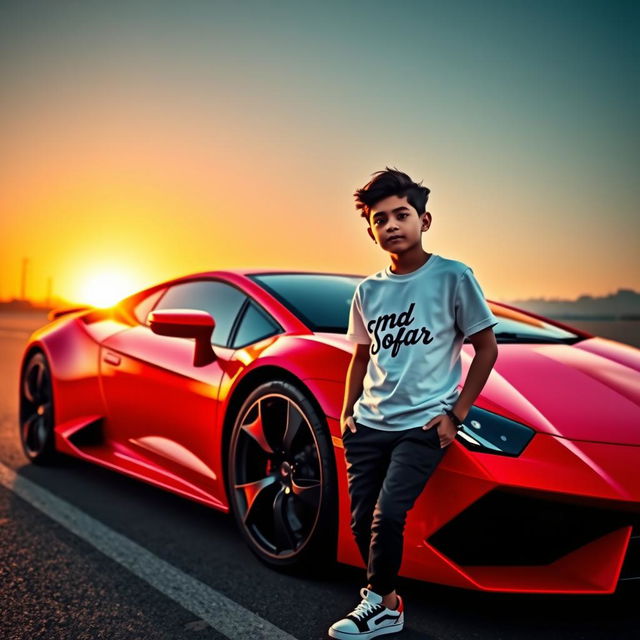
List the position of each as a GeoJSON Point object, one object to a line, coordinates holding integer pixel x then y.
{"type": "Point", "coordinates": [281, 479]}
{"type": "Point", "coordinates": [36, 412]}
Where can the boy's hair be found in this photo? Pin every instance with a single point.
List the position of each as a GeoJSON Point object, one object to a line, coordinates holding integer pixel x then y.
{"type": "Point", "coordinates": [391, 182]}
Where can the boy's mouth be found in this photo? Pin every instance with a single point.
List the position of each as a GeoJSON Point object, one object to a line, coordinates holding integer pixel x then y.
{"type": "Point", "coordinates": [392, 238]}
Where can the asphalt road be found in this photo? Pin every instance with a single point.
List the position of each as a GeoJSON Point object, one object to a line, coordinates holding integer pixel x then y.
{"type": "Point", "coordinates": [54, 584]}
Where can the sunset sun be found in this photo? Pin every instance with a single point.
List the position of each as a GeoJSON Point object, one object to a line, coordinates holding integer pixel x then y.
{"type": "Point", "coordinates": [105, 288]}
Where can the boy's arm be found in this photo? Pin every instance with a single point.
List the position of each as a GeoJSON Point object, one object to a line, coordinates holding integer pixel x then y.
{"type": "Point", "coordinates": [486, 353]}
{"type": "Point", "coordinates": [355, 377]}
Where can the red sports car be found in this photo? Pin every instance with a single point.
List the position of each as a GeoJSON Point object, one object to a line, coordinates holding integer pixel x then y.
{"type": "Point", "coordinates": [226, 387]}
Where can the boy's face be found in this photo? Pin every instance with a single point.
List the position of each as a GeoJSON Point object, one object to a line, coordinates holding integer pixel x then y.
{"type": "Point", "coordinates": [394, 216]}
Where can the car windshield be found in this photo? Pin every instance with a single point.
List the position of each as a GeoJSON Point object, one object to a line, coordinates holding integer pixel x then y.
{"type": "Point", "coordinates": [516, 327]}
{"type": "Point", "coordinates": [322, 302]}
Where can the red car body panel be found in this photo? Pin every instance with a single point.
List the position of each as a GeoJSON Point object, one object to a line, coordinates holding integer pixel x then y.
{"type": "Point", "coordinates": [165, 422]}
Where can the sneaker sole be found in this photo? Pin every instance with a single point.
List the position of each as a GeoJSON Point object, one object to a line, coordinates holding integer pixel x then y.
{"type": "Point", "coordinates": [364, 635]}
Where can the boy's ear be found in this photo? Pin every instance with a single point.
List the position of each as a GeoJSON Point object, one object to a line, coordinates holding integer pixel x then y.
{"type": "Point", "coordinates": [371, 234]}
{"type": "Point", "coordinates": [426, 219]}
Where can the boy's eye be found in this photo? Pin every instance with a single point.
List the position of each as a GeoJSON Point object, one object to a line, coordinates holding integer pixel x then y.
{"type": "Point", "coordinates": [400, 215]}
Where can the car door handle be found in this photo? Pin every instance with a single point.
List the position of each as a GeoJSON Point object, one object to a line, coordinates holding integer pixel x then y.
{"type": "Point", "coordinates": [112, 358]}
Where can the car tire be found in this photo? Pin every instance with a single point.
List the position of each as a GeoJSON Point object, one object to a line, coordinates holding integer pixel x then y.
{"type": "Point", "coordinates": [281, 479]}
{"type": "Point", "coordinates": [36, 412]}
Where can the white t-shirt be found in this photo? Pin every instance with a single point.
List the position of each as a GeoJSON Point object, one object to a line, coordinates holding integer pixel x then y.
{"type": "Point", "coordinates": [416, 324]}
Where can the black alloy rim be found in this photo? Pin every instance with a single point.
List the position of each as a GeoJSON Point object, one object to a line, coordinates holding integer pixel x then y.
{"type": "Point", "coordinates": [37, 409]}
{"type": "Point", "coordinates": [277, 476]}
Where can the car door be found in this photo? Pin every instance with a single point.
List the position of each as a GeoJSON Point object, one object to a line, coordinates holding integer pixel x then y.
{"type": "Point", "coordinates": [161, 409]}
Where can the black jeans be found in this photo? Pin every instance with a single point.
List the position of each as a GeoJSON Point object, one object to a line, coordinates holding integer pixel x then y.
{"type": "Point", "coordinates": [387, 471]}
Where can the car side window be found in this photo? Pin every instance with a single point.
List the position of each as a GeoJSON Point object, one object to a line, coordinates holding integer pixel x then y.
{"type": "Point", "coordinates": [220, 300]}
{"type": "Point", "coordinates": [254, 325]}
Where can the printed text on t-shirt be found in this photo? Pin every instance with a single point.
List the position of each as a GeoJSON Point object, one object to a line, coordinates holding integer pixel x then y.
{"type": "Point", "coordinates": [404, 319]}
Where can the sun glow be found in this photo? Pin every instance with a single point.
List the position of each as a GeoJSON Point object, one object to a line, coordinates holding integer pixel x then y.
{"type": "Point", "coordinates": [105, 288]}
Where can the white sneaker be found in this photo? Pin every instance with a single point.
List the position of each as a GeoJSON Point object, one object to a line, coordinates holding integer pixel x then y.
{"type": "Point", "coordinates": [369, 619]}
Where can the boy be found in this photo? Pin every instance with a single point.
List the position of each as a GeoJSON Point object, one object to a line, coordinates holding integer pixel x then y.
{"type": "Point", "coordinates": [402, 409]}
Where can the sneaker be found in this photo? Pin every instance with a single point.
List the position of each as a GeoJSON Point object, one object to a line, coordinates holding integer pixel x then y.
{"type": "Point", "coordinates": [369, 619]}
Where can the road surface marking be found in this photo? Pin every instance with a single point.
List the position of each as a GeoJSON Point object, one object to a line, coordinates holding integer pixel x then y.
{"type": "Point", "coordinates": [222, 613]}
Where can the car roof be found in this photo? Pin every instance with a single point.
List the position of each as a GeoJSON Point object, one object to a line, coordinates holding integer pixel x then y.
{"type": "Point", "coordinates": [251, 271]}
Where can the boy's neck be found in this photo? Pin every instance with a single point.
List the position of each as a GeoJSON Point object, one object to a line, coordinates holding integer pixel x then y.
{"type": "Point", "coordinates": [408, 262]}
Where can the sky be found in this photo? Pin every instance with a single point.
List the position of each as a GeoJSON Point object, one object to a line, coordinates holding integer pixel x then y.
{"type": "Point", "coordinates": [144, 140]}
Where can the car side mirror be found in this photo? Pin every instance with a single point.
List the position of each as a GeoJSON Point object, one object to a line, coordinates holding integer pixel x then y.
{"type": "Point", "coordinates": [187, 323]}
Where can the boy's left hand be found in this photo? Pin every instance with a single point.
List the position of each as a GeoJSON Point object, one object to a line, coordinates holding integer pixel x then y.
{"type": "Point", "coordinates": [446, 429]}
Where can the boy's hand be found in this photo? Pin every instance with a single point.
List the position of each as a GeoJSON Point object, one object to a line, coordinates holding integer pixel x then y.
{"type": "Point", "coordinates": [347, 422]}
{"type": "Point", "coordinates": [446, 429]}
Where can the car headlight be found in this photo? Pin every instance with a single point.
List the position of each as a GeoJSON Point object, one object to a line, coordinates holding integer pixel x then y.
{"type": "Point", "coordinates": [488, 432]}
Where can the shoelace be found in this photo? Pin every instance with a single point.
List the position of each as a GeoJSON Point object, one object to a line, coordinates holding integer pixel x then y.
{"type": "Point", "coordinates": [364, 608]}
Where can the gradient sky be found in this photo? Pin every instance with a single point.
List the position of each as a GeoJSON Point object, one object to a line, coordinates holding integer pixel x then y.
{"type": "Point", "coordinates": [145, 140]}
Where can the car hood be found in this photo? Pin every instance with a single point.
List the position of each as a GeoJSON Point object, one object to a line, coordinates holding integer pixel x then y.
{"type": "Point", "coordinates": [586, 391]}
